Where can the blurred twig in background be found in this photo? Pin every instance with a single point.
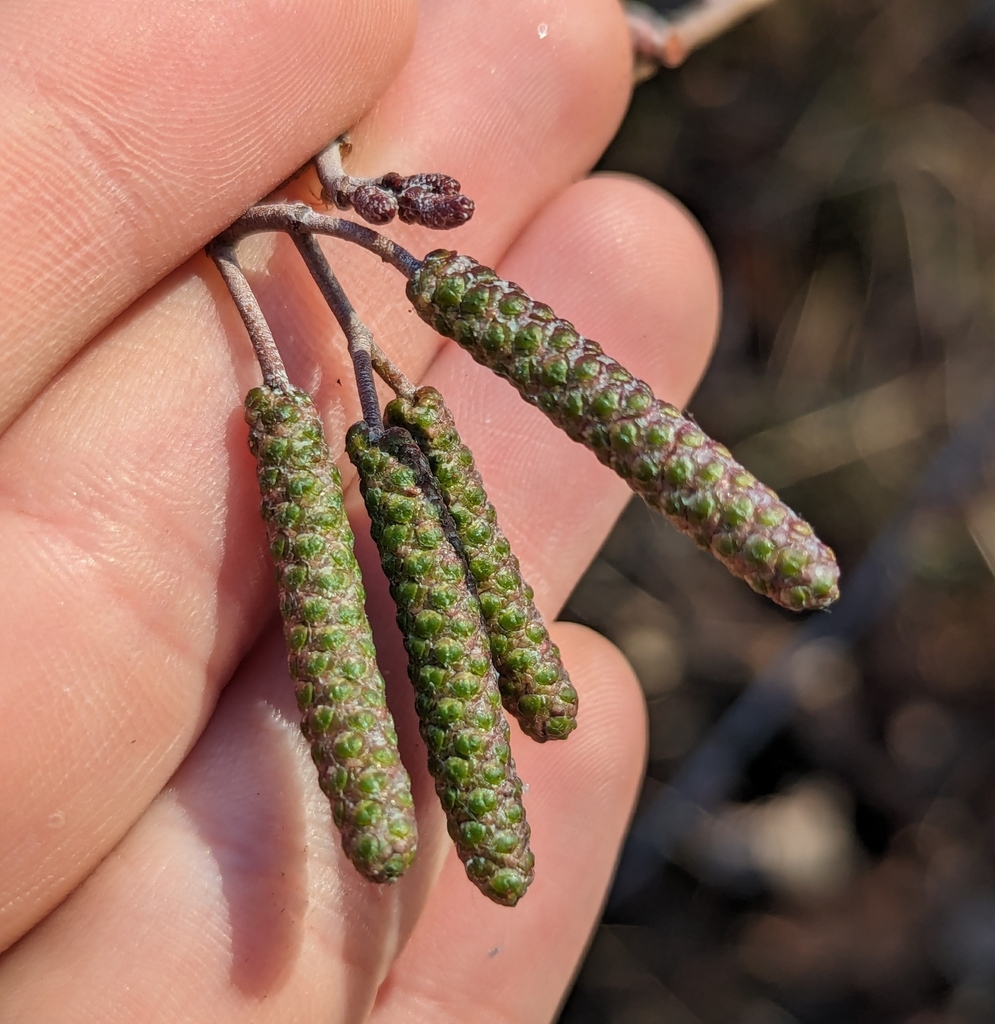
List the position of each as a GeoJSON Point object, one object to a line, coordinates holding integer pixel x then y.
{"type": "Point", "coordinates": [815, 842]}
{"type": "Point", "coordinates": [668, 39]}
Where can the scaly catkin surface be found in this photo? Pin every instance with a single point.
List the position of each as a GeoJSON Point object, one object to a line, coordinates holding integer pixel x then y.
{"type": "Point", "coordinates": [332, 659]}
{"type": "Point", "coordinates": [457, 696]}
{"type": "Point", "coordinates": [662, 454]}
{"type": "Point", "coordinates": [535, 687]}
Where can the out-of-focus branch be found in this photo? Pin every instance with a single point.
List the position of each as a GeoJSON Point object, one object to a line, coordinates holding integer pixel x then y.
{"type": "Point", "coordinates": [658, 39]}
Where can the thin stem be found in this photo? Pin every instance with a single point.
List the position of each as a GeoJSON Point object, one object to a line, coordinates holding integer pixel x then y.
{"type": "Point", "coordinates": [328, 163]}
{"type": "Point", "coordinates": [668, 40]}
{"type": "Point", "coordinates": [362, 366]}
{"type": "Point", "coordinates": [297, 218]}
{"type": "Point", "coordinates": [358, 335]}
{"type": "Point", "coordinates": [345, 313]}
{"type": "Point", "coordinates": [274, 372]}
{"type": "Point", "coordinates": [389, 373]}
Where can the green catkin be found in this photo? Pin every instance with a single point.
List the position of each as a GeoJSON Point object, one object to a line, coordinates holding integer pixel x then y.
{"type": "Point", "coordinates": [535, 687]}
{"type": "Point", "coordinates": [457, 696]}
{"type": "Point", "coordinates": [332, 659]}
{"type": "Point", "coordinates": [662, 454]}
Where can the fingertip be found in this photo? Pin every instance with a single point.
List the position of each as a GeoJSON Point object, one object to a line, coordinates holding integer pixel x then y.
{"type": "Point", "coordinates": [613, 696]}
{"type": "Point", "coordinates": [611, 729]}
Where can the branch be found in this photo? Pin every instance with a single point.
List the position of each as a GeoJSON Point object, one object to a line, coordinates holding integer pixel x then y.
{"type": "Point", "coordinates": [366, 354]}
{"type": "Point", "coordinates": [299, 218]}
{"type": "Point", "coordinates": [274, 372]}
{"type": "Point", "coordinates": [669, 41]}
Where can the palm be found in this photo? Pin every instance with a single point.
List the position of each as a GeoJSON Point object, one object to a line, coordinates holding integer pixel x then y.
{"type": "Point", "coordinates": [137, 584]}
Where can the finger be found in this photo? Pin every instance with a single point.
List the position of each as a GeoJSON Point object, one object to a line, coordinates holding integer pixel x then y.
{"type": "Point", "coordinates": [468, 957]}
{"type": "Point", "coordinates": [157, 124]}
{"type": "Point", "coordinates": [230, 900]}
{"type": "Point", "coordinates": [530, 108]}
{"type": "Point", "coordinates": [128, 506]}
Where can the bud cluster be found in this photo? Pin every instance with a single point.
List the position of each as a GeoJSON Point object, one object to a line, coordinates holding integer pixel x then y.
{"type": "Point", "coordinates": [432, 200]}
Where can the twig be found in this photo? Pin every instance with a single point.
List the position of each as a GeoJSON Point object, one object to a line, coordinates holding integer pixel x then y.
{"type": "Point", "coordinates": [669, 41]}
{"type": "Point", "coordinates": [328, 163]}
{"type": "Point", "coordinates": [296, 218]}
{"type": "Point", "coordinates": [345, 313]}
{"type": "Point", "coordinates": [390, 374]}
{"type": "Point", "coordinates": [274, 372]}
{"type": "Point", "coordinates": [358, 335]}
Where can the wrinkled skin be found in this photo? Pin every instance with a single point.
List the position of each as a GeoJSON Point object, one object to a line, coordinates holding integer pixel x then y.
{"type": "Point", "coordinates": [165, 853]}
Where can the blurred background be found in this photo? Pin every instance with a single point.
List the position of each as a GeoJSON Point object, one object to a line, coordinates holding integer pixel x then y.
{"type": "Point", "coordinates": [815, 841]}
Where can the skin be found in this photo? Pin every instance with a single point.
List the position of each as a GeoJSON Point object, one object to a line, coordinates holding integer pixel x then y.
{"type": "Point", "coordinates": [166, 854]}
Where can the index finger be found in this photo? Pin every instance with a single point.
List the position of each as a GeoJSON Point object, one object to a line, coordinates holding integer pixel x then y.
{"type": "Point", "coordinates": [158, 124]}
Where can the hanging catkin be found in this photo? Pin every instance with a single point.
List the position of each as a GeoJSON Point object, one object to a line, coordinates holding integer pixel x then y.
{"type": "Point", "coordinates": [535, 687]}
{"type": "Point", "coordinates": [457, 697]}
{"type": "Point", "coordinates": [663, 455]}
{"type": "Point", "coordinates": [332, 659]}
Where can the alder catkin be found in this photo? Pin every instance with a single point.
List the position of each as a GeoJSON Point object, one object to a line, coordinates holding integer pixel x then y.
{"type": "Point", "coordinates": [457, 697]}
{"type": "Point", "coordinates": [535, 687]}
{"type": "Point", "coordinates": [663, 455]}
{"type": "Point", "coordinates": [432, 200]}
{"type": "Point", "coordinates": [332, 659]}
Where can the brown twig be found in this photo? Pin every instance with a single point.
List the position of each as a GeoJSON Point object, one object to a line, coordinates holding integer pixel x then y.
{"type": "Point", "coordinates": [299, 218]}
{"type": "Point", "coordinates": [274, 372]}
{"type": "Point", "coordinates": [346, 315]}
{"type": "Point", "coordinates": [657, 39]}
{"type": "Point", "coordinates": [328, 163]}
{"type": "Point", "coordinates": [366, 354]}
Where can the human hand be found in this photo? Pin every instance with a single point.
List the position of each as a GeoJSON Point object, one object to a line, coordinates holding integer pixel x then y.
{"type": "Point", "coordinates": [169, 846]}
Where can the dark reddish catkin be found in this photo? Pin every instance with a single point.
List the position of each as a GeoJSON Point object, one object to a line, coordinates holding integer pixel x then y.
{"type": "Point", "coordinates": [332, 659]}
{"type": "Point", "coordinates": [457, 697]}
{"type": "Point", "coordinates": [663, 455]}
{"type": "Point", "coordinates": [535, 687]}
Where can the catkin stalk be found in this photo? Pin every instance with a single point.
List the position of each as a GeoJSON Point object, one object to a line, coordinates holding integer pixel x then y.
{"type": "Point", "coordinates": [332, 659]}
{"type": "Point", "coordinates": [663, 455]}
{"type": "Point", "coordinates": [535, 687]}
{"type": "Point", "coordinates": [457, 697]}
